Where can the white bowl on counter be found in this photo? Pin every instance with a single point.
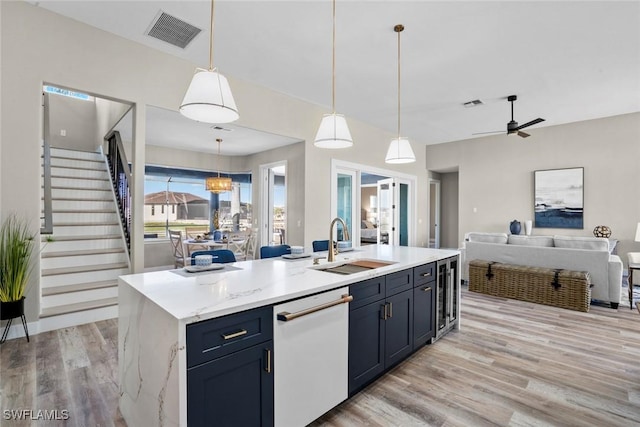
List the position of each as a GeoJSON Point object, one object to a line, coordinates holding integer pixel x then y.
{"type": "Point", "coordinates": [203, 260]}
{"type": "Point", "coordinates": [297, 250]}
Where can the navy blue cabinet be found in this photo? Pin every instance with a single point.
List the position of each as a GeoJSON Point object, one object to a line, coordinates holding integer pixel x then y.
{"type": "Point", "coordinates": [398, 328]}
{"type": "Point", "coordinates": [366, 344]}
{"type": "Point", "coordinates": [424, 304]}
{"type": "Point", "coordinates": [380, 326]}
{"type": "Point", "coordinates": [230, 370]}
{"type": "Point", "coordinates": [234, 390]}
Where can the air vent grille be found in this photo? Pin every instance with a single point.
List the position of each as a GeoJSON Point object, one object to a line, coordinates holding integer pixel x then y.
{"type": "Point", "coordinates": [172, 30]}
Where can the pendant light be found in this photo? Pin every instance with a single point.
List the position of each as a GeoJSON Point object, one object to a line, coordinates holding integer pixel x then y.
{"type": "Point", "coordinates": [218, 184]}
{"type": "Point", "coordinates": [208, 98]}
{"type": "Point", "coordinates": [333, 131]}
{"type": "Point", "coordinates": [399, 149]}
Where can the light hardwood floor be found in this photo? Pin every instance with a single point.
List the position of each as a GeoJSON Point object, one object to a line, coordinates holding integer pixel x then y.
{"type": "Point", "coordinates": [511, 363]}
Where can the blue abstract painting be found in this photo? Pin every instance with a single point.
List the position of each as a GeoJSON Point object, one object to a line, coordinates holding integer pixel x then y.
{"type": "Point", "coordinates": [559, 198]}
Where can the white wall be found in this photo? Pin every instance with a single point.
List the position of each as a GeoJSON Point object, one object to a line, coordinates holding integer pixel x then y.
{"type": "Point", "coordinates": [76, 118]}
{"type": "Point", "coordinates": [496, 175]}
{"type": "Point", "coordinates": [449, 196]}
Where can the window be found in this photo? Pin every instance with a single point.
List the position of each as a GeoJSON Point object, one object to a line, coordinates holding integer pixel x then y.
{"type": "Point", "coordinates": [192, 205]}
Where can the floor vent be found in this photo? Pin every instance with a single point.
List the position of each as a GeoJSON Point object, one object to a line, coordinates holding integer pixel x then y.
{"type": "Point", "coordinates": [172, 30]}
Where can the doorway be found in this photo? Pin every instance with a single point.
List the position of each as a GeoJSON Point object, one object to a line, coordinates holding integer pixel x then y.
{"type": "Point", "coordinates": [434, 213]}
{"type": "Point", "coordinates": [383, 203]}
{"type": "Point", "coordinates": [273, 215]}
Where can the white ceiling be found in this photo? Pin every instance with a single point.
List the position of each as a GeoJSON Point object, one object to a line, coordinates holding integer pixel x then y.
{"type": "Point", "coordinates": [170, 129]}
{"type": "Point", "coordinates": [567, 61]}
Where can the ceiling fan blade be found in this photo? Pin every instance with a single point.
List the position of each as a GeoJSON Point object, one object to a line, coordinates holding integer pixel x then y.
{"type": "Point", "coordinates": [484, 133]}
{"type": "Point", "coordinates": [531, 123]}
{"type": "Point", "coordinates": [523, 134]}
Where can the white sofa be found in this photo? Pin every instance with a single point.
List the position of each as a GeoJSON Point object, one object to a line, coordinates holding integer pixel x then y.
{"type": "Point", "coordinates": [590, 254]}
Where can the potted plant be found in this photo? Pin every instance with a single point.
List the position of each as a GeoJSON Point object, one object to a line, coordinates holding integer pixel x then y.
{"type": "Point", "coordinates": [16, 248]}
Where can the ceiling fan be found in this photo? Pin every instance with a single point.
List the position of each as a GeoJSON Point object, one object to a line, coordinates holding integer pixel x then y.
{"type": "Point", "coordinates": [512, 126]}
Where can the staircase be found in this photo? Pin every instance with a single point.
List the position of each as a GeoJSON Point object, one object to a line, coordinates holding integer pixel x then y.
{"type": "Point", "coordinates": [82, 259]}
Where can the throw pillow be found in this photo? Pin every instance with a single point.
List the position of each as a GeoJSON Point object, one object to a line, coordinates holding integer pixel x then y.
{"type": "Point", "coordinates": [543, 241]}
{"type": "Point", "coordinates": [487, 237]}
{"type": "Point", "coordinates": [576, 242]}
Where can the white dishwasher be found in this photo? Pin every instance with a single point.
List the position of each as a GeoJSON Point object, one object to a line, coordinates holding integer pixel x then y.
{"type": "Point", "coordinates": [311, 339]}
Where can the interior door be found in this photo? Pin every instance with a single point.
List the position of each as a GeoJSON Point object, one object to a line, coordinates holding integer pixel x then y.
{"type": "Point", "coordinates": [434, 214]}
{"type": "Point", "coordinates": [274, 204]}
{"type": "Point", "coordinates": [386, 211]}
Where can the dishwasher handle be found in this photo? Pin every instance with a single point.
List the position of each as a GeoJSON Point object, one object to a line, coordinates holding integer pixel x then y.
{"type": "Point", "coordinates": [286, 316]}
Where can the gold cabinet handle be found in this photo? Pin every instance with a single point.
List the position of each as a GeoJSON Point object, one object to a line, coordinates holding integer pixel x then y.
{"type": "Point", "coordinates": [240, 333]}
{"type": "Point", "coordinates": [384, 311]}
{"type": "Point", "coordinates": [268, 367]}
{"type": "Point", "coordinates": [390, 310]}
{"type": "Point", "coordinates": [427, 289]}
{"type": "Point", "coordinates": [286, 316]}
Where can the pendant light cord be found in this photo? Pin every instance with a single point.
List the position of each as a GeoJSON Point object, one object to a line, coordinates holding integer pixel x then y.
{"type": "Point", "coordinates": [398, 29]}
{"type": "Point", "coordinates": [211, 39]}
{"type": "Point", "coordinates": [333, 63]}
{"type": "Point", "coordinates": [219, 140]}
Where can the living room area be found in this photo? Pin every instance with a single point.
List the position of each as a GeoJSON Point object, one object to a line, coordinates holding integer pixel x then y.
{"type": "Point", "coordinates": [496, 181]}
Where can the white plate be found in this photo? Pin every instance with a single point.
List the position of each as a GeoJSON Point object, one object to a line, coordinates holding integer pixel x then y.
{"type": "Point", "coordinates": [199, 268]}
{"type": "Point", "coordinates": [295, 256]}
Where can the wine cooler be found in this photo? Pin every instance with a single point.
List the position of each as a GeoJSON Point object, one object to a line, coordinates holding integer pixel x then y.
{"type": "Point", "coordinates": [447, 296]}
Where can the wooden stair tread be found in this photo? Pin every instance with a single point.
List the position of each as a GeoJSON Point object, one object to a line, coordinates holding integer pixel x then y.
{"type": "Point", "coordinates": [88, 178]}
{"type": "Point", "coordinates": [58, 187]}
{"type": "Point", "coordinates": [65, 289]}
{"type": "Point", "coordinates": [84, 211]}
{"type": "Point", "coordinates": [57, 238]}
{"type": "Point", "coordinates": [82, 252]}
{"type": "Point", "coordinates": [79, 306]}
{"type": "Point", "coordinates": [84, 224]}
{"type": "Point", "coordinates": [83, 269]}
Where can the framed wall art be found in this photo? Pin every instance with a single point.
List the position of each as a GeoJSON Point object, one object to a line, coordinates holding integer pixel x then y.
{"type": "Point", "coordinates": [559, 198]}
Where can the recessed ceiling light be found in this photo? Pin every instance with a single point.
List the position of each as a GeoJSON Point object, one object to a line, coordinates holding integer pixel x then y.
{"type": "Point", "coordinates": [474, 103]}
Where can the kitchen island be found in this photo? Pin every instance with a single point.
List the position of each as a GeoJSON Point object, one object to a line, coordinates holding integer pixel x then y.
{"type": "Point", "coordinates": [156, 310]}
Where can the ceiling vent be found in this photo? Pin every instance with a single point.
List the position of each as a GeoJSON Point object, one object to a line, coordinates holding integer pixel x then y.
{"type": "Point", "coordinates": [172, 30]}
{"type": "Point", "coordinates": [221, 128]}
{"type": "Point", "coordinates": [474, 103]}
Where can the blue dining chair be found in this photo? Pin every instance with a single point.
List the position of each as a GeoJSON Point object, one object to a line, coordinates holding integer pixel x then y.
{"type": "Point", "coordinates": [320, 245]}
{"type": "Point", "coordinates": [221, 256]}
{"type": "Point", "coordinates": [274, 251]}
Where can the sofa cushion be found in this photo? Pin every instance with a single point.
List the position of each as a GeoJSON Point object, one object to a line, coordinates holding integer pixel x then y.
{"type": "Point", "coordinates": [516, 239]}
{"type": "Point", "coordinates": [487, 237]}
{"type": "Point", "coordinates": [575, 242]}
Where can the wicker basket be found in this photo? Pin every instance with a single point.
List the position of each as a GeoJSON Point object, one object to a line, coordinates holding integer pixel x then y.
{"type": "Point", "coordinates": [560, 288]}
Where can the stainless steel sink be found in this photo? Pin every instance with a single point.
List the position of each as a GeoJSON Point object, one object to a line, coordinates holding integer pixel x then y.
{"type": "Point", "coordinates": [355, 266]}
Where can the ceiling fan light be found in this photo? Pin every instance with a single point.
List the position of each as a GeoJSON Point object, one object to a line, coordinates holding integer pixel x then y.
{"type": "Point", "coordinates": [333, 132]}
{"type": "Point", "coordinates": [208, 99]}
{"type": "Point", "coordinates": [400, 151]}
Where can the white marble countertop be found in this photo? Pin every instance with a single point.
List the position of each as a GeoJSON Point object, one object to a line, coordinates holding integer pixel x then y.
{"type": "Point", "coordinates": [249, 284]}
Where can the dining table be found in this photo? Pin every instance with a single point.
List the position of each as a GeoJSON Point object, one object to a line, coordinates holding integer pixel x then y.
{"type": "Point", "coordinates": [193, 244]}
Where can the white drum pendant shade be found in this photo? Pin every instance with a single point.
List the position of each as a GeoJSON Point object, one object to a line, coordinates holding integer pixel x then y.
{"type": "Point", "coordinates": [209, 99]}
{"type": "Point", "coordinates": [400, 151]}
{"type": "Point", "coordinates": [333, 132]}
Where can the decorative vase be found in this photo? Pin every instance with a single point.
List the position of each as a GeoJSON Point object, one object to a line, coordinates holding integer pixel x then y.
{"type": "Point", "coordinates": [217, 235]}
{"type": "Point", "coordinates": [515, 227]}
{"type": "Point", "coordinates": [527, 227]}
{"type": "Point", "coordinates": [11, 309]}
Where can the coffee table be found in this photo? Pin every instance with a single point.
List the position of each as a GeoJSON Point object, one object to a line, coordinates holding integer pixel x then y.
{"type": "Point", "coordinates": [633, 259]}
